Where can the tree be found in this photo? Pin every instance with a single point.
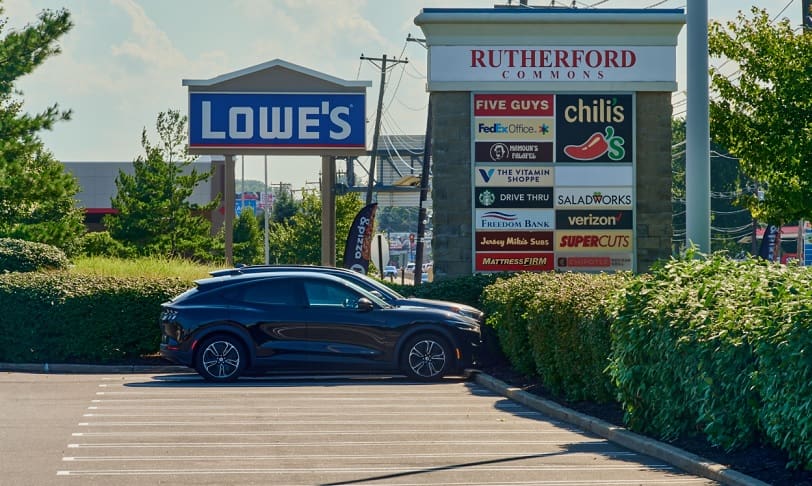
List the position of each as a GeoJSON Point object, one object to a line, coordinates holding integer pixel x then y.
{"type": "Point", "coordinates": [284, 206]}
{"type": "Point", "coordinates": [36, 194]}
{"type": "Point", "coordinates": [154, 212]}
{"type": "Point", "coordinates": [397, 219]}
{"type": "Point", "coordinates": [298, 240]}
{"type": "Point", "coordinates": [763, 113]}
{"type": "Point", "coordinates": [248, 245]}
{"type": "Point", "coordinates": [729, 221]}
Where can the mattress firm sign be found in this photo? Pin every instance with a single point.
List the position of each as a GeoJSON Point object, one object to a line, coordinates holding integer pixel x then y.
{"type": "Point", "coordinates": [277, 120]}
{"type": "Point", "coordinates": [553, 181]}
{"type": "Point", "coordinates": [553, 63]}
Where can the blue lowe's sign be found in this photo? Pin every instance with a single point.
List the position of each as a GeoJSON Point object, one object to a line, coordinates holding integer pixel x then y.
{"type": "Point", "coordinates": [277, 120]}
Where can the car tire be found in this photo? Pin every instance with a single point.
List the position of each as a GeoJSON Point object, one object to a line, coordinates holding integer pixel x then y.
{"type": "Point", "coordinates": [426, 357]}
{"type": "Point", "coordinates": [221, 359]}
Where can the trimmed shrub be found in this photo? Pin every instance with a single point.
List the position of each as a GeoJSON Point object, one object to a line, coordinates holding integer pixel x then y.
{"type": "Point", "coordinates": [701, 347]}
{"type": "Point", "coordinates": [28, 256]}
{"type": "Point", "coordinates": [60, 317]}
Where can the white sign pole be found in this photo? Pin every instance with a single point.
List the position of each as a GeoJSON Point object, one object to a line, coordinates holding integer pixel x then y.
{"type": "Point", "coordinates": [267, 209]}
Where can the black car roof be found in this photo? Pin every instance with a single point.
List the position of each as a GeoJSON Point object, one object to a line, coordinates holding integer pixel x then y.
{"type": "Point", "coordinates": [221, 279]}
{"type": "Point", "coordinates": [276, 268]}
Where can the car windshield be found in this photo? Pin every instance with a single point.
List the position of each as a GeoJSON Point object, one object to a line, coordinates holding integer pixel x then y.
{"type": "Point", "coordinates": [372, 284]}
{"type": "Point", "coordinates": [366, 293]}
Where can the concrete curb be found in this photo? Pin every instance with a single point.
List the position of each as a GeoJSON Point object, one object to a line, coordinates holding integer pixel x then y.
{"type": "Point", "coordinates": [684, 460]}
{"type": "Point", "coordinates": [90, 369]}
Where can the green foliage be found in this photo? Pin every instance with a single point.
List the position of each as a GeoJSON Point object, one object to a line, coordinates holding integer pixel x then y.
{"type": "Point", "coordinates": [102, 244]}
{"type": "Point", "coordinates": [726, 177]}
{"type": "Point", "coordinates": [396, 219]}
{"type": "Point", "coordinates": [763, 114]}
{"type": "Point", "coordinates": [154, 213]}
{"type": "Point", "coordinates": [249, 248]}
{"type": "Point", "coordinates": [556, 326]}
{"type": "Point", "coordinates": [505, 304]}
{"type": "Point", "coordinates": [284, 206]}
{"type": "Point", "coordinates": [298, 240]}
{"type": "Point", "coordinates": [60, 317]}
{"type": "Point", "coordinates": [714, 332]}
{"type": "Point", "coordinates": [152, 267]}
{"type": "Point", "coordinates": [28, 256]}
{"type": "Point", "coordinates": [36, 194]}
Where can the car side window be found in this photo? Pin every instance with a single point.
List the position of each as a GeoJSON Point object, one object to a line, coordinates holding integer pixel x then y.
{"type": "Point", "coordinates": [268, 292]}
{"type": "Point", "coordinates": [329, 294]}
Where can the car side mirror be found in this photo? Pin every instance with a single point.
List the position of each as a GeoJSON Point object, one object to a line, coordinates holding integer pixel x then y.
{"type": "Point", "coordinates": [365, 305]}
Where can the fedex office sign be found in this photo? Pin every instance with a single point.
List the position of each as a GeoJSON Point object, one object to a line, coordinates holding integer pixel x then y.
{"type": "Point", "coordinates": [284, 120]}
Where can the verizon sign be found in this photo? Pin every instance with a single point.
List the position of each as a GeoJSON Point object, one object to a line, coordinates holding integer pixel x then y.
{"type": "Point", "coordinates": [553, 63]}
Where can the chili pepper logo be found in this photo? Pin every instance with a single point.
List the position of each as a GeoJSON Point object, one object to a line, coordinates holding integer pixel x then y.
{"type": "Point", "coordinates": [597, 145]}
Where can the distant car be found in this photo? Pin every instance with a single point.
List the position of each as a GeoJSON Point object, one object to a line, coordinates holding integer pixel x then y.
{"type": "Point", "coordinates": [390, 271]}
{"type": "Point", "coordinates": [410, 267]}
{"type": "Point", "coordinates": [306, 321]}
{"type": "Point", "coordinates": [367, 283]}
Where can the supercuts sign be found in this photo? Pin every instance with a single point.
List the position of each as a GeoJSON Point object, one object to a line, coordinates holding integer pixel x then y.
{"type": "Point", "coordinates": [277, 120]}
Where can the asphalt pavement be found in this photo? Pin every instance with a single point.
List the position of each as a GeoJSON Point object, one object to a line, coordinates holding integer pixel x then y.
{"type": "Point", "coordinates": [678, 458]}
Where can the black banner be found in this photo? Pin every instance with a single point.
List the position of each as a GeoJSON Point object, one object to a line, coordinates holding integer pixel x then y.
{"type": "Point", "coordinates": [768, 242]}
{"type": "Point", "coordinates": [359, 239]}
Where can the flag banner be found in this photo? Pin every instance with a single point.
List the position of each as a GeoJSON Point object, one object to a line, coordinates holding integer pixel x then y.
{"type": "Point", "coordinates": [768, 242]}
{"type": "Point", "coordinates": [359, 239]}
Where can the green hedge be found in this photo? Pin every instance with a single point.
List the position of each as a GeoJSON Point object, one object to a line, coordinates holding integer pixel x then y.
{"type": "Point", "coordinates": [556, 326]}
{"type": "Point", "coordinates": [59, 317]}
{"type": "Point", "coordinates": [719, 348]}
{"type": "Point", "coordinates": [28, 256]}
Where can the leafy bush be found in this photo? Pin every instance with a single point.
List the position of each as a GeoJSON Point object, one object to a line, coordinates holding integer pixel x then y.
{"type": "Point", "coordinates": [505, 304]}
{"type": "Point", "coordinates": [102, 244]}
{"type": "Point", "coordinates": [28, 256]}
{"type": "Point", "coordinates": [61, 317]}
{"type": "Point", "coordinates": [556, 326]}
{"type": "Point", "coordinates": [716, 347]}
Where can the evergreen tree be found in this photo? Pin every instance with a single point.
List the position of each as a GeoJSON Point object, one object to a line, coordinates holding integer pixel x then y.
{"type": "Point", "coordinates": [36, 194]}
{"type": "Point", "coordinates": [154, 212]}
{"type": "Point", "coordinates": [249, 248]}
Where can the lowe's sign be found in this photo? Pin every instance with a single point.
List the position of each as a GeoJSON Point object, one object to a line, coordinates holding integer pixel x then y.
{"type": "Point", "coordinates": [277, 120]}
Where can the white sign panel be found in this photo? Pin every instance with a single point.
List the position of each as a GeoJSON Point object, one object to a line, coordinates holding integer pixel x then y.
{"type": "Point", "coordinates": [601, 176]}
{"type": "Point", "coordinates": [552, 63]}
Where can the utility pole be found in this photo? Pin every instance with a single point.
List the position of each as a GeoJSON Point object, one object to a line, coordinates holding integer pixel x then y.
{"type": "Point", "coordinates": [383, 61]}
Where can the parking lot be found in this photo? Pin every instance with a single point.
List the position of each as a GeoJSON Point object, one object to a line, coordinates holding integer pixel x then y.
{"type": "Point", "coordinates": [177, 429]}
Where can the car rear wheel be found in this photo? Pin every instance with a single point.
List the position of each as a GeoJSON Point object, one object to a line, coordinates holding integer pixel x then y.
{"type": "Point", "coordinates": [427, 357]}
{"type": "Point", "coordinates": [221, 359]}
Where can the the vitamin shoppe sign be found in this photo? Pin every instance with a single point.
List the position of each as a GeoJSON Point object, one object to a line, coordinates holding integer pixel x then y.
{"type": "Point", "coordinates": [553, 181]}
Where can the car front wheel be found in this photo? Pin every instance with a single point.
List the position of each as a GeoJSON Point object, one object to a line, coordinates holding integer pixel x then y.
{"type": "Point", "coordinates": [221, 359]}
{"type": "Point", "coordinates": [426, 357]}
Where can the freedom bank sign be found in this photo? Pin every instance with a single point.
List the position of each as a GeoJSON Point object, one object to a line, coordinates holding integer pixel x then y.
{"type": "Point", "coordinates": [277, 107]}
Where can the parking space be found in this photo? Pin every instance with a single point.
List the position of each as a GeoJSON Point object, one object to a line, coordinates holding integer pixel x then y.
{"type": "Point", "coordinates": [177, 429]}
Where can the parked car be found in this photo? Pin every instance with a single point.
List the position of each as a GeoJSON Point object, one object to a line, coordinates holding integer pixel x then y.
{"type": "Point", "coordinates": [410, 267]}
{"type": "Point", "coordinates": [390, 271]}
{"type": "Point", "coordinates": [370, 284]}
{"type": "Point", "coordinates": [232, 324]}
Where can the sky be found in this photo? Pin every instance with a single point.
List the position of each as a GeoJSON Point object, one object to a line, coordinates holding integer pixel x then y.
{"type": "Point", "coordinates": [124, 61]}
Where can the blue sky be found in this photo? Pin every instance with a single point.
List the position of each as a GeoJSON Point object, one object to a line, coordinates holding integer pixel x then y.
{"type": "Point", "coordinates": [124, 60]}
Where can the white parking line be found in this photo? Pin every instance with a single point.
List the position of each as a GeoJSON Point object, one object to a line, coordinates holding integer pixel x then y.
{"type": "Point", "coordinates": [228, 445]}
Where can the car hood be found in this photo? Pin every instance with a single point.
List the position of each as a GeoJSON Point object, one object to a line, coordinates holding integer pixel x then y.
{"type": "Point", "coordinates": [454, 307]}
